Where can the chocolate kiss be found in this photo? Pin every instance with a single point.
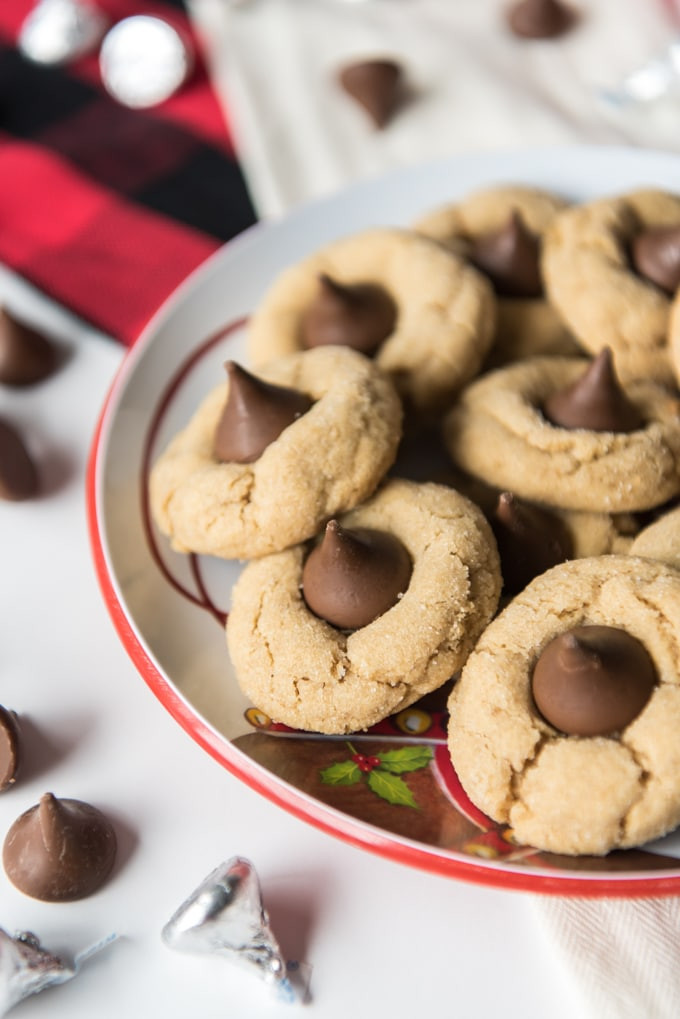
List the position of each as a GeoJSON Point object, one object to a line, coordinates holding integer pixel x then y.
{"type": "Point", "coordinates": [655, 254]}
{"type": "Point", "coordinates": [530, 540]}
{"type": "Point", "coordinates": [593, 680]}
{"type": "Point", "coordinates": [539, 19]}
{"type": "Point", "coordinates": [26, 356]}
{"type": "Point", "coordinates": [10, 748]}
{"type": "Point", "coordinates": [59, 850]}
{"type": "Point", "coordinates": [356, 315]}
{"type": "Point", "coordinates": [18, 474]}
{"type": "Point", "coordinates": [376, 85]}
{"type": "Point", "coordinates": [595, 401]}
{"type": "Point", "coordinates": [255, 413]}
{"type": "Point", "coordinates": [510, 258]}
{"type": "Point", "coordinates": [354, 575]}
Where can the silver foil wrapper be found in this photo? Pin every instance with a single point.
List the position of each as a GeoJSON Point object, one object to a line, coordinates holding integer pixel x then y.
{"type": "Point", "coordinates": [26, 968]}
{"type": "Point", "coordinates": [144, 60]}
{"type": "Point", "coordinates": [225, 916]}
{"type": "Point", "coordinates": [653, 80]}
{"type": "Point", "coordinates": [57, 31]}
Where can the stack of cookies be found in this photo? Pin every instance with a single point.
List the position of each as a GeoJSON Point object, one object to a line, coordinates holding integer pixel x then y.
{"type": "Point", "coordinates": [536, 343]}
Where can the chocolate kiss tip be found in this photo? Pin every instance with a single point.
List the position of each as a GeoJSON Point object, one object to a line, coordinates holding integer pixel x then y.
{"type": "Point", "coordinates": [595, 401]}
{"type": "Point", "coordinates": [579, 650]}
{"type": "Point", "coordinates": [510, 257]}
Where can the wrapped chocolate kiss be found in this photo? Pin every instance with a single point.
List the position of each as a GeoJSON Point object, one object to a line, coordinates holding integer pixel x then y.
{"type": "Point", "coordinates": [225, 916]}
{"type": "Point", "coordinates": [26, 968]}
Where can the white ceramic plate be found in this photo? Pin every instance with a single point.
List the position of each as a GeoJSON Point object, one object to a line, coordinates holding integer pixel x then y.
{"type": "Point", "coordinates": [170, 609]}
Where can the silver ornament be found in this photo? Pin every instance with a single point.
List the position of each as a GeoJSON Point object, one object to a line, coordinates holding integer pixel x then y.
{"type": "Point", "coordinates": [57, 31]}
{"type": "Point", "coordinates": [144, 60]}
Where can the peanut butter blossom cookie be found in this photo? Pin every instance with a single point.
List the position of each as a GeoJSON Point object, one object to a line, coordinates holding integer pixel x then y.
{"type": "Point", "coordinates": [500, 231]}
{"type": "Point", "coordinates": [382, 609]}
{"type": "Point", "coordinates": [424, 315]}
{"type": "Point", "coordinates": [611, 268]}
{"type": "Point", "coordinates": [564, 432]}
{"type": "Point", "coordinates": [267, 459]}
{"type": "Point", "coordinates": [564, 721]}
{"type": "Point", "coordinates": [660, 539]}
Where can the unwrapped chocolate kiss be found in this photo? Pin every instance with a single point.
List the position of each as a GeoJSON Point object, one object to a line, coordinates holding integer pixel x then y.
{"type": "Point", "coordinates": [510, 258]}
{"type": "Point", "coordinates": [354, 575]}
{"type": "Point", "coordinates": [596, 401]}
{"type": "Point", "coordinates": [376, 85]}
{"type": "Point", "coordinates": [356, 315]}
{"type": "Point", "coordinates": [593, 680]}
{"type": "Point", "coordinates": [59, 850]}
{"type": "Point", "coordinates": [255, 413]}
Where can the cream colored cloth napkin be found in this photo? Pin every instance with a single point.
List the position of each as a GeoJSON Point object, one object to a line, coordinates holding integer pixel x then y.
{"type": "Point", "coordinates": [474, 85]}
{"type": "Point", "coordinates": [621, 955]}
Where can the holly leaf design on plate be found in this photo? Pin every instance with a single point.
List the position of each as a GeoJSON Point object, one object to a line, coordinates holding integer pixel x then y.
{"type": "Point", "coordinates": [391, 788]}
{"type": "Point", "coordinates": [341, 773]}
{"type": "Point", "coordinates": [397, 762]}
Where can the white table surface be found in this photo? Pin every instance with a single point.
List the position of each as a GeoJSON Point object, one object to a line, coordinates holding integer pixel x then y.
{"type": "Point", "coordinates": [381, 938]}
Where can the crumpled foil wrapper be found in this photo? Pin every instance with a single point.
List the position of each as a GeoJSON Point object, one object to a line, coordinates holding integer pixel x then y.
{"type": "Point", "coordinates": [225, 917]}
{"type": "Point", "coordinates": [26, 968]}
{"type": "Point", "coordinates": [57, 31]}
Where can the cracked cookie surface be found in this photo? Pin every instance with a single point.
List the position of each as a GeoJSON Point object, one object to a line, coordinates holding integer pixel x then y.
{"type": "Point", "coordinates": [496, 431]}
{"type": "Point", "coordinates": [525, 326]}
{"type": "Point", "coordinates": [327, 461]}
{"type": "Point", "coordinates": [445, 310]}
{"type": "Point", "coordinates": [589, 279]}
{"type": "Point", "coordinates": [306, 673]}
{"type": "Point", "coordinates": [567, 794]}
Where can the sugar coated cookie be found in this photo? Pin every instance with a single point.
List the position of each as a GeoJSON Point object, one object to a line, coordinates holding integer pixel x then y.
{"type": "Point", "coordinates": [326, 461]}
{"type": "Point", "coordinates": [497, 431]}
{"type": "Point", "coordinates": [500, 229]}
{"type": "Point", "coordinates": [303, 671]}
{"type": "Point", "coordinates": [558, 790]}
{"type": "Point", "coordinates": [608, 295]}
{"type": "Point", "coordinates": [444, 311]}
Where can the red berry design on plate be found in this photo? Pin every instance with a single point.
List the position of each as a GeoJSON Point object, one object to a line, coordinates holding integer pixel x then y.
{"type": "Point", "coordinates": [381, 771]}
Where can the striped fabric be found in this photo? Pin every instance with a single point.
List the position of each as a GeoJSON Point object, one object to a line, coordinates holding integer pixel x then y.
{"type": "Point", "coordinates": [104, 208]}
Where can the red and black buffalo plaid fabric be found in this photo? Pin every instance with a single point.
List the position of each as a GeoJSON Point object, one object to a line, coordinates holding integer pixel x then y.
{"type": "Point", "coordinates": [104, 208]}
